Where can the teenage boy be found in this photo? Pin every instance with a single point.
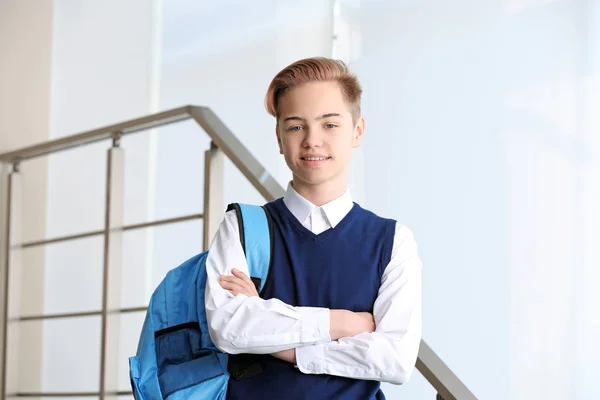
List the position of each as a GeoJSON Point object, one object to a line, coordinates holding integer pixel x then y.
{"type": "Point", "coordinates": [341, 309]}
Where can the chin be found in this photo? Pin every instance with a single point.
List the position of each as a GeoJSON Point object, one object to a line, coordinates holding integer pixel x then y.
{"type": "Point", "coordinates": [315, 177]}
{"type": "Point", "coordinates": [314, 180]}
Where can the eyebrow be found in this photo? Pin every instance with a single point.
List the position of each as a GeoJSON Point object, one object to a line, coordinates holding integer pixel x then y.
{"type": "Point", "coordinates": [296, 118]}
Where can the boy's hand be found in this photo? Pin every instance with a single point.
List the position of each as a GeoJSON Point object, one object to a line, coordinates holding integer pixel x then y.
{"type": "Point", "coordinates": [286, 355]}
{"type": "Point", "coordinates": [238, 283]}
{"type": "Point", "coordinates": [344, 323]}
{"type": "Point", "coordinates": [366, 324]}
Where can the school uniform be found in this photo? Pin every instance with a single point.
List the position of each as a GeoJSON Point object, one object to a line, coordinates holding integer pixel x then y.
{"type": "Point", "coordinates": [337, 256]}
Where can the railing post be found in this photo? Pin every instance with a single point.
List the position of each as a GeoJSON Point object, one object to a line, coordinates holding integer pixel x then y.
{"type": "Point", "coordinates": [10, 276]}
{"type": "Point", "coordinates": [111, 289]}
{"type": "Point", "coordinates": [443, 380]}
{"type": "Point", "coordinates": [214, 162]}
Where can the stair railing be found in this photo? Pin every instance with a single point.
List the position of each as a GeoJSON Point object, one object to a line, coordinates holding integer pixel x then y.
{"type": "Point", "coordinates": [223, 144]}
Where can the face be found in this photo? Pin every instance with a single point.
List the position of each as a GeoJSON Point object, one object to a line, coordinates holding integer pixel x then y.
{"type": "Point", "coordinates": [316, 134]}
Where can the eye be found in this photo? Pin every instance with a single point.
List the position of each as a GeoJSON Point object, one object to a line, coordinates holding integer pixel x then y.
{"type": "Point", "coordinates": [330, 126]}
{"type": "Point", "coordinates": [294, 128]}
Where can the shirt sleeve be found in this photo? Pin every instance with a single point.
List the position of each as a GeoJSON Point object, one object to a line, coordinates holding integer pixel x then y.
{"type": "Point", "coordinates": [242, 324]}
{"type": "Point", "coordinates": [389, 354]}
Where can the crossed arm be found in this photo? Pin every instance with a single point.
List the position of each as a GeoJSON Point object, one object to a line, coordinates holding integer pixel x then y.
{"type": "Point", "coordinates": [342, 323]}
{"type": "Point", "coordinates": [382, 346]}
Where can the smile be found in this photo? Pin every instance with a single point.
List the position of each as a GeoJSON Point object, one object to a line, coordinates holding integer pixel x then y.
{"type": "Point", "coordinates": [315, 158]}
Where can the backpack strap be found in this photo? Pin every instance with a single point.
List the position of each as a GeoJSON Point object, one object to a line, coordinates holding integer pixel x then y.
{"type": "Point", "coordinates": [256, 236]}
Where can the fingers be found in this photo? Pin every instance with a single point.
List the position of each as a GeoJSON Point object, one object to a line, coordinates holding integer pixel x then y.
{"type": "Point", "coordinates": [234, 286]}
{"type": "Point", "coordinates": [241, 275]}
{"type": "Point", "coordinates": [234, 280]}
{"type": "Point", "coordinates": [366, 322]}
{"type": "Point", "coordinates": [240, 283]}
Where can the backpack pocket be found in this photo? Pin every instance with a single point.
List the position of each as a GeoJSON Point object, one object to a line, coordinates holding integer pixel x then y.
{"type": "Point", "coordinates": [182, 362]}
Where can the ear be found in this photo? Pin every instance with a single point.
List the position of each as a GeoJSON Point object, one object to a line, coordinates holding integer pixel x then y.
{"type": "Point", "coordinates": [359, 131]}
{"type": "Point", "coordinates": [278, 135]}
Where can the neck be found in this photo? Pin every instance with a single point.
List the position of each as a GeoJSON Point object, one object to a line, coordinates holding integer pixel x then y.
{"type": "Point", "coordinates": [320, 194]}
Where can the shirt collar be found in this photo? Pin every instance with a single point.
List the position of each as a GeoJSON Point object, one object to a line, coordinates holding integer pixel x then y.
{"type": "Point", "coordinates": [301, 208]}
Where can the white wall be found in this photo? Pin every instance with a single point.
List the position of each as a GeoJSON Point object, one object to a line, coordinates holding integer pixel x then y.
{"type": "Point", "coordinates": [25, 59]}
{"type": "Point", "coordinates": [482, 136]}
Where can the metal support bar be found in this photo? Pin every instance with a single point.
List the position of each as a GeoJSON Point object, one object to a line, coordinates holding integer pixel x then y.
{"type": "Point", "coordinates": [60, 239]}
{"type": "Point", "coordinates": [84, 235]}
{"type": "Point", "coordinates": [437, 373]}
{"type": "Point", "coordinates": [214, 162]}
{"type": "Point", "coordinates": [124, 128]}
{"type": "Point", "coordinates": [248, 165]}
{"type": "Point", "coordinates": [79, 314]}
{"type": "Point", "coordinates": [56, 394]}
{"type": "Point", "coordinates": [162, 222]}
{"type": "Point", "coordinates": [10, 276]}
{"type": "Point", "coordinates": [68, 394]}
{"type": "Point", "coordinates": [115, 177]}
{"type": "Point", "coordinates": [5, 208]}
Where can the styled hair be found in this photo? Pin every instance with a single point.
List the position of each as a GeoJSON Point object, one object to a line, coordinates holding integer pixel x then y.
{"type": "Point", "coordinates": [316, 69]}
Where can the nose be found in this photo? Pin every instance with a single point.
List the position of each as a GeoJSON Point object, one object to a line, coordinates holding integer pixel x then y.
{"type": "Point", "coordinates": [312, 138]}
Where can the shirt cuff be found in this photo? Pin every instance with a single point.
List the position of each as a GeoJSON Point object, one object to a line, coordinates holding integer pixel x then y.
{"type": "Point", "coordinates": [315, 325]}
{"type": "Point", "coordinates": [311, 359]}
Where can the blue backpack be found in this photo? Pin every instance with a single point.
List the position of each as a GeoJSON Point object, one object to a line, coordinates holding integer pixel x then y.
{"type": "Point", "coordinates": [176, 357]}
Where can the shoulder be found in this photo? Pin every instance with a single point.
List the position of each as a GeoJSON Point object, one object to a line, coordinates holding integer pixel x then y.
{"type": "Point", "coordinates": [231, 217]}
{"type": "Point", "coordinates": [376, 223]}
{"type": "Point", "coordinates": [403, 236]}
{"type": "Point", "coordinates": [274, 204]}
{"type": "Point", "coordinates": [234, 218]}
{"type": "Point", "coordinates": [399, 228]}
{"type": "Point", "coordinates": [371, 216]}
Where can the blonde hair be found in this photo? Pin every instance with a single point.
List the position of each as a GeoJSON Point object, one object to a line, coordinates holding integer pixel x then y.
{"type": "Point", "coordinates": [316, 69]}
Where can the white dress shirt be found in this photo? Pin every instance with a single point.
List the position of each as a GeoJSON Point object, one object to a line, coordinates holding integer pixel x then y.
{"type": "Point", "coordinates": [242, 324]}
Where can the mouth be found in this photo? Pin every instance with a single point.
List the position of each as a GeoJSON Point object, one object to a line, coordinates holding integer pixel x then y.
{"type": "Point", "coordinates": [315, 158]}
{"type": "Point", "coordinates": [314, 161]}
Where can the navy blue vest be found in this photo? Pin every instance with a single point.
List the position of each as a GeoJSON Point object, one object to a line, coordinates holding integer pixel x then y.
{"type": "Point", "coordinates": [340, 268]}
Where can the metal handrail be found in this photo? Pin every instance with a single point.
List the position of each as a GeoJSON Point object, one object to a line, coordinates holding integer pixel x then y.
{"type": "Point", "coordinates": [223, 138]}
{"type": "Point", "coordinates": [437, 373]}
{"type": "Point", "coordinates": [125, 228]}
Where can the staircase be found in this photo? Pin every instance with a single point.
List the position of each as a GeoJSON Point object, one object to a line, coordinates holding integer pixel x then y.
{"type": "Point", "coordinates": [223, 144]}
